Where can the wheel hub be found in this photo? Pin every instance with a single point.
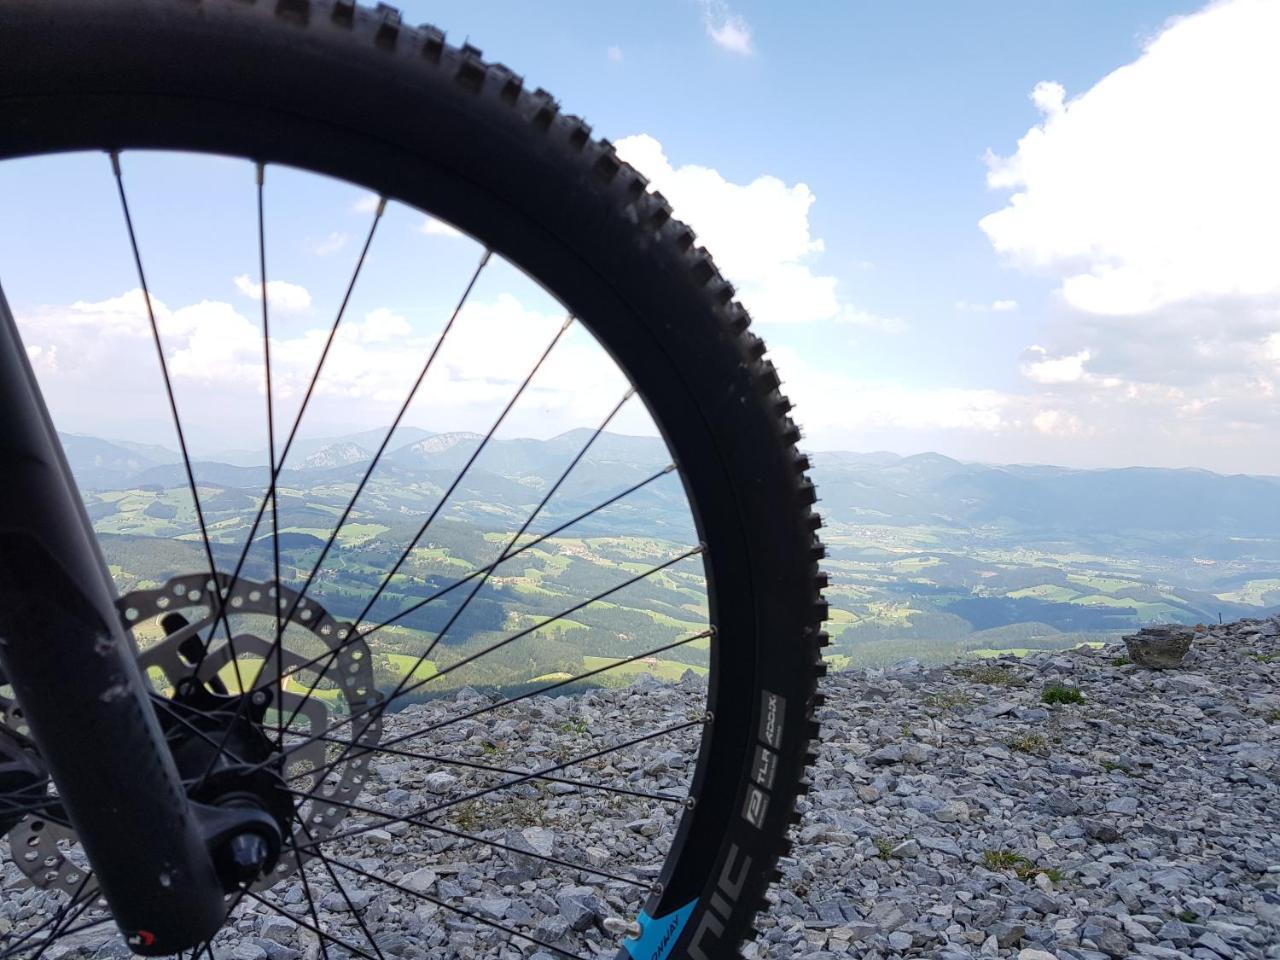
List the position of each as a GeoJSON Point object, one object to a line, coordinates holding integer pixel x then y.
{"type": "Point", "coordinates": [236, 695]}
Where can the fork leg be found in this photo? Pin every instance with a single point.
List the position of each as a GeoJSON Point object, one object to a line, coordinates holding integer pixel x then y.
{"type": "Point", "coordinates": [73, 671]}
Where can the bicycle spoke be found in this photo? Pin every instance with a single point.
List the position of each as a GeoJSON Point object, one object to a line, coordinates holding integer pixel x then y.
{"type": "Point", "coordinates": [357, 636]}
{"type": "Point", "coordinates": [364, 928]}
{"type": "Point", "coordinates": [28, 808]}
{"type": "Point", "coordinates": [306, 399]}
{"type": "Point", "coordinates": [271, 427]}
{"type": "Point", "coordinates": [311, 901]}
{"type": "Point", "coordinates": [54, 918]}
{"type": "Point", "coordinates": [28, 799]}
{"type": "Point", "coordinates": [64, 926]}
{"type": "Point", "coordinates": [473, 838]}
{"type": "Point", "coordinates": [386, 580]}
{"type": "Point", "coordinates": [504, 555]}
{"type": "Point", "coordinates": [352, 717]}
{"type": "Point", "coordinates": [168, 389]}
{"type": "Point", "coordinates": [276, 468]}
{"type": "Point", "coordinates": [313, 927]}
{"type": "Point", "coordinates": [448, 906]}
{"type": "Point", "coordinates": [540, 691]}
{"type": "Point", "coordinates": [377, 457]}
{"type": "Point", "coordinates": [489, 768]}
{"type": "Point", "coordinates": [171, 709]}
{"type": "Point", "coordinates": [515, 781]}
{"type": "Point", "coordinates": [275, 651]}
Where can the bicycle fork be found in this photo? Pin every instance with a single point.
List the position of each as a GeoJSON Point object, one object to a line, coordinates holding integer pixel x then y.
{"type": "Point", "coordinates": [73, 671]}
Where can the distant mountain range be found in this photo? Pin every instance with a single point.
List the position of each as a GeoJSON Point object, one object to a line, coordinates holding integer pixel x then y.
{"type": "Point", "coordinates": [873, 489]}
{"type": "Point", "coordinates": [928, 488]}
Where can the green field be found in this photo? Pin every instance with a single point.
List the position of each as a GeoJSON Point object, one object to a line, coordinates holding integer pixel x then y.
{"type": "Point", "coordinates": [661, 669]}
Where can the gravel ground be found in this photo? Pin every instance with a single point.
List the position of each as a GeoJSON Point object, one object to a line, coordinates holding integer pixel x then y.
{"type": "Point", "coordinates": [954, 813]}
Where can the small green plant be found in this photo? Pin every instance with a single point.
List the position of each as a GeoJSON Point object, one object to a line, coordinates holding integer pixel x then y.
{"type": "Point", "coordinates": [992, 676]}
{"type": "Point", "coordinates": [1187, 916]}
{"type": "Point", "coordinates": [576, 725]}
{"type": "Point", "coordinates": [1028, 743]}
{"type": "Point", "coordinates": [1265, 657]}
{"type": "Point", "coordinates": [948, 699]}
{"type": "Point", "coordinates": [1003, 860]}
{"type": "Point", "coordinates": [1111, 766]}
{"type": "Point", "coordinates": [467, 816]}
{"type": "Point", "coordinates": [488, 747]}
{"type": "Point", "coordinates": [1121, 662]}
{"type": "Point", "coordinates": [1030, 871]}
{"type": "Point", "coordinates": [1272, 716]}
{"type": "Point", "coordinates": [884, 847]}
{"type": "Point", "coordinates": [1022, 867]}
{"type": "Point", "coordinates": [1056, 694]}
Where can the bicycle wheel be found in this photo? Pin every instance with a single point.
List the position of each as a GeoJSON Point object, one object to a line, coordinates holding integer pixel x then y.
{"type": "Point", "coordinates": [350, 93]}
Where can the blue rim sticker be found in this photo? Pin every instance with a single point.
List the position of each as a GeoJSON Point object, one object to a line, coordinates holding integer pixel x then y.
{"type": "Point", "coordinates": [658, 937]}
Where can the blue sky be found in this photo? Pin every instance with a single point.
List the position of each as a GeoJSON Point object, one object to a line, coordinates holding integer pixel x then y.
{"type": "Point", "coordinates": [1120, 312]}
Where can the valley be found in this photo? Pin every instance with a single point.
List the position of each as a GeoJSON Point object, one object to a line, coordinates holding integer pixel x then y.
{"type": "Point", "coordinates": [929, 558]}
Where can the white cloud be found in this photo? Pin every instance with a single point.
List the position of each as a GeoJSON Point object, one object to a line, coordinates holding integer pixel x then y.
{"type": "Point", "coordinates": [438, 228]}
{"type": "Point", "coordinates": [1151, 201]}
{"type": "Point", "coordinates": [995, 306]}
{"type": "Point", "coordinates": [281, 295]}
{"type": "Point", "coordinates": [614, 54]}
{"type": "Point", "coordinates": [334, 242]}
{"type": "Point", "coordinates": [727, 29]}
{"type": "Point", "coordinates": [96, 362]}
{"type": "Point", "coordinates": [43, 359]}
{"type": "Point", "coordinates": [1158, 185]}
{"type": "Point", "coordinates": [211, 342]}
{"type": "Point", "coordinates": [1045, 369]}
{"type": "Point", "coordinates": [838, 410]}
{"type": "Point", "coordinates": [366, 204]}
{"type": "Point", "coordinates": [378, 326]}
{"type": "Point", "coordinates": [1057, 423]}
{"type": "Point", "coordinates": [758, 233]}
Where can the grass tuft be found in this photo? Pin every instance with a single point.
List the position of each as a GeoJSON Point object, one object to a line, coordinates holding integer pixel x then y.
{"type": "Point", "coordinates": [1023, 868]}
{"type": "Point", "coordinates": [1057, 693]}
{"type": "Point", "coordinates": [1003, 859]}
{"type": "Point", "coordinates": [993, 676]}
{"type": "Point", "coordinates": [949, 700]}
{"type": "Point", "coordinates": [1029, 743]}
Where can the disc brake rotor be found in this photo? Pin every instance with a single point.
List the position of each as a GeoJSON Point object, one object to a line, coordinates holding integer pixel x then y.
{"type": "Point", "coordinates": [46, 851]}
